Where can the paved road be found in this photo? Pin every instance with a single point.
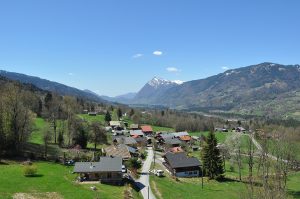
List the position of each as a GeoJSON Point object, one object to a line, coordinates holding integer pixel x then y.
{"type": "Point", "coordinates": [143, 181]}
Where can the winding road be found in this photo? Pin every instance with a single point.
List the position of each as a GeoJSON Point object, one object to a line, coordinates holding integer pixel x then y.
{"type": "Point", "coordinates": [144, 181]}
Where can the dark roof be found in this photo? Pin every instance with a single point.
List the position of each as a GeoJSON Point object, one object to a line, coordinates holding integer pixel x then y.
{"type": "Point", "coordinates": [125, 140]}
{"type": "Point", "coordinates": [166, 136]}
{"type": "Point", "coordinates": [180, 160]}
{"type": "Point", "coordinates": [172, 141]}
{"type": "Point", "coordinates": [106, 164]}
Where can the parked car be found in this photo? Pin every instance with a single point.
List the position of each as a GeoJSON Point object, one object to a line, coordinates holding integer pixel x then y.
{"type": "Point", "coordinates": [124, 170]}
{"type": "Point", "coordinates": [158, 172]}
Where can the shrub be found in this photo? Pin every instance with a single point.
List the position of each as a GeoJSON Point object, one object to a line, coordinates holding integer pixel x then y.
{"type": "Point", "coordinates": [29, 170]}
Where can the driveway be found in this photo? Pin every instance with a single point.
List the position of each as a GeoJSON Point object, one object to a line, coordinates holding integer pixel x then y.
{"type": "Point", "coordinates": [143, 181]}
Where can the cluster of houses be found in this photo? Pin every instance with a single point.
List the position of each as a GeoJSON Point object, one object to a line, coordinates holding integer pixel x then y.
{"type": "Point", "coordinates": [126, 144]}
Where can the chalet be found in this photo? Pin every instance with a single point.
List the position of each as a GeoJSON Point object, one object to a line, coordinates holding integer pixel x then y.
{"type": "Point", "coordinates": [123, 151]}
{"type": "Point", "coordinates": [180, 165]}
{"type": "Point", "coordinates": [147, 130]}
{"type": "Point", "coordinates": [141, 141]}
{"type": "Point", "coordinates": [115, 125]}
{"type": "Point", "coordinates": [137, 133]}
{"type": "Point", "coordinates": [134, 127]}
{"type": "Point", "coordinates": [171, 142]}
{"type": "Point", "coordinates": [107, 170]}
{"type": "Point", "coordinates": [129, 141]}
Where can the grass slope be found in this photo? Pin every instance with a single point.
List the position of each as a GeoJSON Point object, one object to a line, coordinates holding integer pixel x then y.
{"type": "Point", "coordinates": [51, 178]}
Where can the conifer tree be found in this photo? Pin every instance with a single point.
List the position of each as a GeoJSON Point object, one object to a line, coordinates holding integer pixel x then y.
{"type": "Point", "coordinates": [107, 117]}
{"type": "Point", "coordinates": [211, 158]}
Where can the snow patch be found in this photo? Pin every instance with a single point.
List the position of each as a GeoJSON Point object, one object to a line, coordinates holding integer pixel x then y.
{"type": "Point", "coordinates": [156, 82]}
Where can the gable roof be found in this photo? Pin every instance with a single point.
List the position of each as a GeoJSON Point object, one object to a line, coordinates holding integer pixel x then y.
{"type": "Point", "coordinates": [134, 126]}
{"type": "Point", "coordinates": [172, 141]}
{"type": "Point", "coordinates": [136, 132]}
{"type": "Point", "coordinates": [146, 128]}
{"type": "Point", "coordinates": [176, 150]}
{"type": "Point", "coordinates": [166, 136]}
{"type": "Point", "coordinates": [124, 140]}
{"type": "Point", "coordinates": [180, 160]}
{"type": "Point", "coordinates": [178, 134]}
{"type": "Point", "coordinates": [106, 164]}
{"type": "Point", "coordinates": [118, 151]}
{"type": "Point", "coordinates": [115, 123]}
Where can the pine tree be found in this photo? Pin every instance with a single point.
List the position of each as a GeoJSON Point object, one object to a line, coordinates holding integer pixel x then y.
{"type": "Point", "coordinates": [107, 117]}
{"type": "Point", "coordinates": [119, 111]}
{"type": "Point", "coordinates": [211, 158]}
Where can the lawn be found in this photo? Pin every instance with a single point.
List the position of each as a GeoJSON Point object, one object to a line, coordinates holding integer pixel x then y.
{"type": "Point", "coordinates": [51, 177]}
{"type": "Point", "coordinates": [161, 129]}
{"type": "Point", "coordinates": [190, 188]}
{"type": "Point", "coordinates": [97, 118]}
{"type": "Point", "coordinates": [36, 135]}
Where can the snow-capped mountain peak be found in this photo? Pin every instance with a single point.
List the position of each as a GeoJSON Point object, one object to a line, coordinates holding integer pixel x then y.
{"type": "Point", "coordinates": [157, 82]}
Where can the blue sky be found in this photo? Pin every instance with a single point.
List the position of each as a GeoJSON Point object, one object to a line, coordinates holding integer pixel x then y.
{"type": "Point", "coordinates": [108, 46]}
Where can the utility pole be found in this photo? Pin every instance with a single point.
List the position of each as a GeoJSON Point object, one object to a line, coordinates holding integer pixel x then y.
{"type": "Point", "coordinates": [148, 191]}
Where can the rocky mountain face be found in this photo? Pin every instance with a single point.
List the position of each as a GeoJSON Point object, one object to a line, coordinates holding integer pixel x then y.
{"type": "Point", "coordinates": [262, 89]}
{"type": "Point", "coordinates": [51, 86]}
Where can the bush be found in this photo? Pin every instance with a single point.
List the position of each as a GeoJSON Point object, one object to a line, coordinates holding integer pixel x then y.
{"type": "Point", "coordinates": [30, 170]}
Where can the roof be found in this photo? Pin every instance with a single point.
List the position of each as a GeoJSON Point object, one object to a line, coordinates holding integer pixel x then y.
{"type": "Point", "coordinates": [134, 126]}
{"type": "Point", "coordinates": [176, 150]}
{"type": "Point", "coordinates": [178, 134]}
{"type": "Point", "coordinates": [106, 164]}
{"type": "Point", "coordinates": [125, 140]}
{"type": "Point", "coordinates": [166, 136]}
{"type": "Point", "coordinates": [172, 141]}
{"type": "Point", "coordinates": [118, 151]}
{"type": "Point", "coordinates": [146, 128]}
{"type": "Point", "coordinates": [180, 160]}
{"type": "Point", "coordinates": [115, 123]}
{"type": "Point", "coordinates": [136, 132]}
{"type": "Point", "coordinates": [185, 138]}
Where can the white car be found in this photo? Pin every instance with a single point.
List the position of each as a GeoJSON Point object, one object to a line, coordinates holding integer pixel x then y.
{"type": "Point", "coordinates": [124, 170]}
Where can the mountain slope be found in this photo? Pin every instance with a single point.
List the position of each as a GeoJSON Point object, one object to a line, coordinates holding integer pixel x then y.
{"type": "Point", "coordinates": [263, 89]}
{"type": "Point", "coordinates": [153, 89]}
{"type": "Point", "coordinates": [50, 86]}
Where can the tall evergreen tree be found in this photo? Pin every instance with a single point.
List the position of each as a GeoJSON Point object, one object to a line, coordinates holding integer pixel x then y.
{"type": "Point", "coordinates": [107, 117]}
{"type": "Point", "coordinates": [211, 158]}
{"type": "Point", "coordinates": [119, 113]}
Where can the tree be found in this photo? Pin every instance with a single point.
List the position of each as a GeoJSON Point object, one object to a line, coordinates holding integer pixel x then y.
{"type": "Point", "coordinates": [211, 158]}
{"type": "Point", "coordinates": [107, 117]}
{"type": "Point", "coordinates": [80, 134]}
{"type": "Point", "coordinates": [234, 143]}
{"type": "Point", "coordinates": [46, 139]}
{"type": "Point", "coordinates": [131, 113]}
{"type": "Point", "coordinates": [98, 134]}
{"type": "Point", "coordinates": [119, 112]}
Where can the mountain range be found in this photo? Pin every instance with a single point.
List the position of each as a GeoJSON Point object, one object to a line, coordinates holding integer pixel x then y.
{"type": "Point", "coordinates": [51, 86]}
{"type": "Point", "coordinates": [265, 89]}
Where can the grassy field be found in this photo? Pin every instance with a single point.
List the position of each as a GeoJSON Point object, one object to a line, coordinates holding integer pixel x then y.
{"type": "Point", "coordinates": [97, 118]}
{"type": "Point", "coordinates": [36, 137]}
{"type": "Point", "coordinates": [50, 178]}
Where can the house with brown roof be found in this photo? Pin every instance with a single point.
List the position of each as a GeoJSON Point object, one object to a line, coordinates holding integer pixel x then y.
{"type": "Point", "coordinates": [123, 151]}
{"type": "Point", "coordinates": [185, 138]}
{"type": "Point", "coordinates": [147, 130]}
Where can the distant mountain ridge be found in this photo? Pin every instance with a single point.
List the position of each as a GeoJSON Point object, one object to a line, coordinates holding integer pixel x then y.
{"type": "Point", "coordinates": [264, 89]}
{"type": "Point", "coordinates": [50, 86]}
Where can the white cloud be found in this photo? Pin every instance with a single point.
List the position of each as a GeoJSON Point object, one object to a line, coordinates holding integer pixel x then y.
{"type": "Point", "coordinates": [137, 55]}
{"type": "Point", "coordinates": [172, 70]}
{"type": "Point", "coordinates": [157, 53]}
{"type": "Point", "coordinates": [225, 68]}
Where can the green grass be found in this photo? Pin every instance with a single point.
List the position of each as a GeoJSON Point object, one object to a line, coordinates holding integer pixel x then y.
{"type": "Point", "coordinates": [36, 135]}
{"type": "Point", "coordinates": [51, 178]}
{"type": "Point", "coordinates": [221, 137]}
{"type": "Point", "coordinates": [160, 128]}
{"type": "Point", "coordinates": [293, 184]}
{"type": "Point", "coordinates": [190, 188]}
{"type": "Point", "coordinates": [97, 118]}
